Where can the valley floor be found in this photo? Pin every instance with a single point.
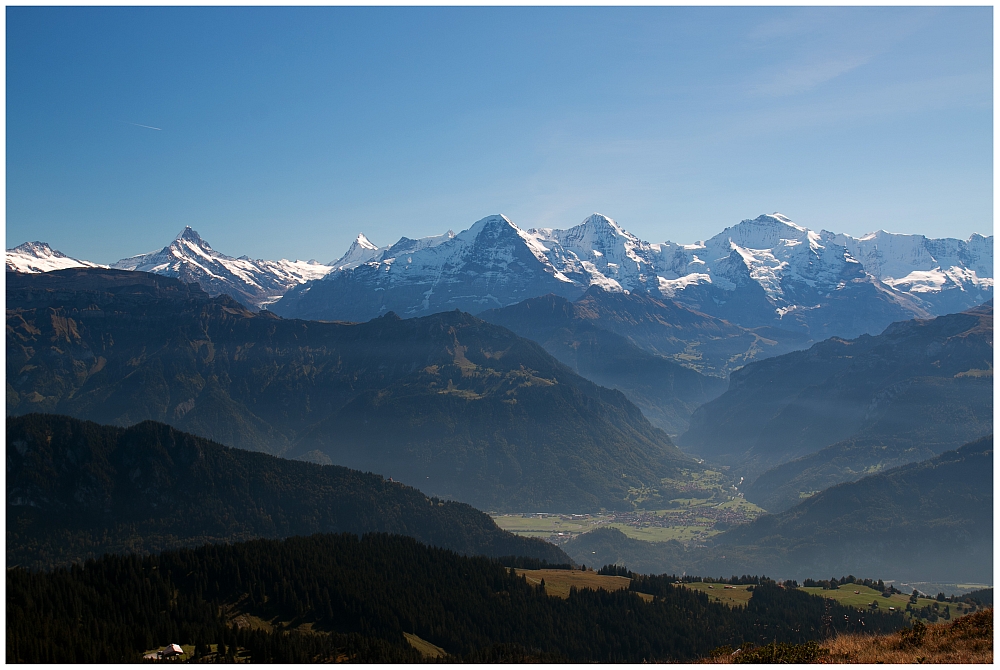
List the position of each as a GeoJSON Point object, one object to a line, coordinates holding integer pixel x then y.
{"type": "Point", "coordinates": [690, 520]}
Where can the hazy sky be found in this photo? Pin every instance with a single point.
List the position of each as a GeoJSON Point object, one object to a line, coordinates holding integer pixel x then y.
{"type": "Point", "coordinates": [284, 132]}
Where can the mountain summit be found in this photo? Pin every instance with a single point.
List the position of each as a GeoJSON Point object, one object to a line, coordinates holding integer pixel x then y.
{"type": "Point", "coordinates": [255, 283]}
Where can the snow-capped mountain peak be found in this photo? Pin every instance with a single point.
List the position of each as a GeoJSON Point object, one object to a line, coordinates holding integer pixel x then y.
{"type": "Point", "coordinates": [363, 250]}
{"type": "Point", "coordinates": [364, 242]}
{"type": "Point", "coordinates": [256, 283]}
{"type": "Point", "coordinates": [34, 257]}
{"type": "Point", "coordinates": [191, 235]}
{"type": "Point", "coordinates": [597, 252]}
{"type": "Point", "coordinates": [494, 226]}
{"type": "Point", "coordinates": [766, 232]}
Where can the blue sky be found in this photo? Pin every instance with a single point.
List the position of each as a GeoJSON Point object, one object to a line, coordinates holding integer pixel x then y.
{"type": "Point", "coordinates": [285, 132]}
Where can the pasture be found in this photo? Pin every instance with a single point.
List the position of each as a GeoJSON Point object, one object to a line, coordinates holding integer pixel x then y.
{"type": "Point", "coordinates": [558, 582]}
{"type": "Point", "coordinates": [425, 648]}
{"type": "Point", "coordinates": [846, 595]}
{"type": "Point", "coordinates": [686, 520]}
{"type": "Point", "coordinates": [726, 594]}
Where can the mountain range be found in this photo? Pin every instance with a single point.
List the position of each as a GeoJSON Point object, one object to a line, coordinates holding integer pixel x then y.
{"type": "Point", "coordinates": [767, 271]}
{"type": "Point", "coordinates": [762, 272]}
{"type": "Point", "coordinates": [549, 370]}
{"type": "Point", "coordinates": [458, 407]}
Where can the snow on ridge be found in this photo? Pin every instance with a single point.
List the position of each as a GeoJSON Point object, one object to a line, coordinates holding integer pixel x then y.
{"type": "Point", "coordinates": [670, 287]}
{"type": "Point", "coordinates": [889, 257]}
{"type": "Point", "coordinates": [36, 257]}
{"type": "Point", "coordinates": [935, 280]}
{"type": "Point", "coordinates": [254, 282]}
{"type": "Point", "coordinates": [597, 252]}
{"type": "Point", "coordinates": [362, 251]}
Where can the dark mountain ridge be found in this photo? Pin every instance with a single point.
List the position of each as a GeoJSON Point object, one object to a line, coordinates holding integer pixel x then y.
{"type": "Point", "coordinates": [931, 520]}
{"type": "Point", "coordinates": [76, 490]}
{"type": "Point", "coordinates": [656, 325]}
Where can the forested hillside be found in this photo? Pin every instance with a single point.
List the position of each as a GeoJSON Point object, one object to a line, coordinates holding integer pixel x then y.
{"type": "Point", "coordinates": [76, 490]}
{"type": "Point", "coordinates": [453, 405]}
{"type": "Point", "coordinates": [360, 595]}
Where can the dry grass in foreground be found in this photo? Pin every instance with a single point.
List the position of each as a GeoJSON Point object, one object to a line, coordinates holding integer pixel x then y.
{"type": "Point", "coordinates": [965, 640]}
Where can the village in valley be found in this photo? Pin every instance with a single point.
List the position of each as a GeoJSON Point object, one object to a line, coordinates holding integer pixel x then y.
{"type": "Point", "coordinates": [712, 504]}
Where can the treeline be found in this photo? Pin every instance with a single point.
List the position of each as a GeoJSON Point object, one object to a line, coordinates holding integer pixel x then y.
{"type": "Point", "coordinates": [615, 571]}
{"type": "Point", "coordinates": [361, 595]}
{"type": "Point", "coordinates": [980, 596]}
{"type": "Point", "coordinates": [528, 563]}
{"type": "Point", "coordinates": [833, 583]}
{"type": "Point", "coordinates": [734, 580]}
{"type": "Point", "coordinates": [622, 571]}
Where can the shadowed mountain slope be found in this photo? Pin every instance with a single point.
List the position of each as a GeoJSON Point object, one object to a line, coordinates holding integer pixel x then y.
{"type": "Point", "coordinates": [451, 404]}
{"type": "Point", "coordinates": [925, 382]}
{"type": "Point", "coordinates": [665, 391]}
{"type": "Point", "coordinates": [76, 490]}
{"type": "Point", "coordinates": [931, 521]}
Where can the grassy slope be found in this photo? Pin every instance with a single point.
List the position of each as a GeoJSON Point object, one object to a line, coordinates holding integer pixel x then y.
{"type": "Point", "coordinates": [558, 582]}
{"type": "Point", "coordinates": [967, 640]}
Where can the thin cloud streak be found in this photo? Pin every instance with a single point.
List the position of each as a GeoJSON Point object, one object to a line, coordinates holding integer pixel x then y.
{"type": "Point", "coordinates": [142, 126]}
{"type": "Point", "coordinates": [802, 78]}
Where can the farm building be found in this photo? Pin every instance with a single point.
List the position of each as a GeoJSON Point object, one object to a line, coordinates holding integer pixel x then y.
{"type": "Point", "coordinates": [171, 650]}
